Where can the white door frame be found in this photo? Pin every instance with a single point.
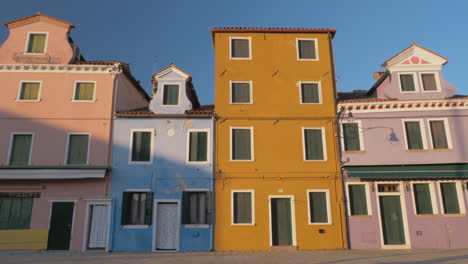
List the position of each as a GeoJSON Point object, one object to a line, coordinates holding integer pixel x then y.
{"type": "Point", "coordinates": [401, 194]}
{"type": "Point", "coordinates": [293, 217]}
{"type": "Point", "coordinates": [155, 217]}
{"type": "Point", "coordinates": [89, 203]}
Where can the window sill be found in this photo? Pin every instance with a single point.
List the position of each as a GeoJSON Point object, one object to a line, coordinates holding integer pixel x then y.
{"type": "Point", "coordinates": [28, 101]}
{"type": "Point", "coordinates": [426, 215]}
{"type": "Point", "coordinates": [240, 58]}
{"type": "Point", "coordinates": [360, 216]}
{"type": "Point", "coordinates": [299, 59]}
{"type": "Point", "coordinates": [320, 224]}
{"type": "Point", "coordinates": [246, 224]}
{"type": "Point", "coordinates": [442, 150]}
{"type": "Point", "coordinates": [135, 226]}
{"type": "Point", "coordinates": [84, 101]}
{"type": "Point", "coordinates": [354, 151]}
{"type": "Point", "coordinates": [196, 226]}
{"type": "Point", "coordinates": [417, 150]}
{"type": "Point", "coordinates": [453, 215]}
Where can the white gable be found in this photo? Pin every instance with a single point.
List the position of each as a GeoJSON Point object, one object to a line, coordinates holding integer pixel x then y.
{"type": "Point", "coordinates": [171, 73]}
{"type": "Point", "coordinates": [415, 58]}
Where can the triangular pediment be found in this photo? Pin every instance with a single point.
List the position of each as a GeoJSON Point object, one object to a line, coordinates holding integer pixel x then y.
{"type": "Point", "coordinates": [415, 56]}
{"type": "Point", "coordinates": [37, 18]}
{"type": "Point", "coordinates": [171, 72]}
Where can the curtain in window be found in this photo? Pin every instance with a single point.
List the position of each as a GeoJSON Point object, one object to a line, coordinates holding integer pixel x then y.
{"type": "Point", "coordinates": [313, 144]}
{"type": "Point", "coordinates": [36, 43]}
{"type": "Point", "coordinates": [318, 207]}
{"type": "Point", "coordinates": [78, 150]}
{"type": "Point", "coordinates": [307, 49]}
{"type": "Point", "coordinates": [20, 150]}
{"type": "Point", "coordinates": [197, 204]}
{"type": "Point", "coordinates": [141, 147]}
{"type": "Point", "coordinates": [439, 137]}
{"type": "Point", "coordinates": [242, 208]}
{"type": "Point", "coordinates": [241, 144]}
{"type": "Point", "coordinates": [422, 198]}
{"type": "Point", "coordinates": [29, 91]}
{"type": "Point", "coordinates": [450, 198]}
{"type": "Point", "coordinates": [357, 199]}
{"type": "Point", "coordinates": [15, 213]}
{"type": "Point", "coordinates": [171, 94]}
{"type": "Point", "coordinates": [429, 82]}
{"type": "Point", "coordinates": [413, 135]}
{"type": "Point", "coordinates": [407, 83]}
{"type": "Point", "coordinates": [310, 93]}
{"type": "Point", "coordinates": [84, 91]}
{"type": "Point", "coordinates": [351, 136]}
{"type": "Point", "coordinates": [240, 48]}
{"type": "Point", "coordinates": [198, 146]}
{"type": "Point", "coordinates": [241, 92]}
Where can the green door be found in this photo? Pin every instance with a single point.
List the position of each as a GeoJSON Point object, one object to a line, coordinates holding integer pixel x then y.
{"type": "Point", "coordinates": [281, 227]}
{"type": "Point", "coordinates": [392, 220]}
{"type": "Point", "coordinates": [60, 226]}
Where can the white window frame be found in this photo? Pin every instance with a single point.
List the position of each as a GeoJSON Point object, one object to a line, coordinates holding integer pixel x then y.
{"type": "Point", "coordinates": [316, 49]}
{"type": "Point", "coordinates": [368, 201]}
{"type": "Point", "coordinates": [10, 148]}
{"type": "Point", "coordinates": [250, 92]}
{"type": "Point", "coordinates": [252, 192]}
{"type": "Point", "coordinates": [324, 144]}
{"type": "Point", "coordinates": [152, 131]}
{"type": "Point", "coordinates": [208, 145]}
{"type": "Point", "coordinates": [163, 85]}
{"type": "Point", "coordinates": [327, 196]}
{"type": "Point", "coordinates": [437, 80]}
{"type": "Point", "coordinates": [361, 138]}
{"type": "Point", "coordinates": [252, 155]}
{"type": "Point", "coordinates": [461, 201]}
{"type": "Point", "coordinates": [29, 38]}
{"type": "Point", "coordinates": [435, 210]}
{"type": "Point", "coordinates": [68, 146]}
{"type": "Point", "coordinates": [84, 101]}
{"type": "Point", "coordinates": [415, 80]}
{"type": "Point", "coordinates": [299, 84]}
{"type": "Point", "coordinates": [18, 98]}
{"type": "Point", "coordinates": [447, 132]}
{"type": "Point", "coordinates": [423, 133]}
{"type": "Point", "coordinates": [230, 48]}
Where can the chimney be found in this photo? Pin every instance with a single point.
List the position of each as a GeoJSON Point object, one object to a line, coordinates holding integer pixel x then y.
{"type": "Point", "coordinates": [378, 74]}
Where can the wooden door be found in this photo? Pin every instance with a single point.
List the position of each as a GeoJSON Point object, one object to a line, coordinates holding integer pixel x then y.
{"type": "Point", "coordinates": [60, 227]}
{"type": "Point", "coordinates": [281, 224]}
{"type": "Point", "coordinates": [99, 226]}
{"type": "Point", "coordinates": [392, 220]}
{"type": "Point", "coordinates": [167, 226]}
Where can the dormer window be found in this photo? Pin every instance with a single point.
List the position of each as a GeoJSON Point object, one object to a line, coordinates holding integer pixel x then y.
{"type": "Point", "coordinates": [171, 94]}
{"type": "Point", "coordinates": [36, 43]}
{"type": "Point", "coordinates": [429, 82]}
{"type": "Point", "coordinates": [407, 82]}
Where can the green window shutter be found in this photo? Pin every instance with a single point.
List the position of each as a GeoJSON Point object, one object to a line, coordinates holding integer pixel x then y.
{"type": "Point", "coordinates": [318, 207]}
{"type": "Point", "coordinates": [185, 208]}
{"type": "Point", "coordinates": [407, 83]}
{"type": "Point", "coordinates": [78, 150]}
{"type": "Point", "coordinates": [429, 82]}
{"type": "Point", "coordinates": [310, 93]}
{"type": "Point", "coordinates": [422, 198]}
{"type": "Point", "coordinates": [307, 49]}
{"type": "Point", "coordinates": [438, 134]}
{"type": "Point", "coordinates": [198, 146]}
{"type": "Point", "coordinates": [208, 208]}
{"type": "Point", "coordinates": [351, 137]}
{"type": "Point", "coordinates": [149, 208]}
{"type": "Point", "coordinates": [84, 91]}
{"type": "Point", "coordinates": [29, 91]}
{"type": "Point", "coordinates": [242, 207]}
{"type": "Point", "coordinates": [20, 150]}
{"type": "Point", "coordinates": [240, 92]}
{"type": "Point", "coordinates": [313, 144]}
{"type": "Point", "coordinates": [36, 43]}
{"type": "Point", "coordinates": [126, 198]}
{"type": "Point", "coordinates": [450, 198]}
{"type": "Point", "coordinates": [413, 135]}
{"type": "Point", "coordinates": [240, 48]}
{"type": "Point", "coordinates": [171, 94]}
{"type": "Point", "coordinates": [357, 199]}
{"type": "Point", "coordinates": [141, 146]}
{"type": "Point", "coordinates": [241, 144]}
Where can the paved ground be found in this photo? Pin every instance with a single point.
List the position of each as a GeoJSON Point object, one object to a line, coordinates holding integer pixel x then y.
{"type": "Point", "coordinates": [322, 256]}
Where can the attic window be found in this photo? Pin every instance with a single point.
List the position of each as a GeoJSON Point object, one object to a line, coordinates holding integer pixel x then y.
{"type": "Point", "coordinates": [407, 82]}
{"type": "Point", "coordinates": [36, 43]}
{"type": "Point", "coordinates": [171, 94]}
{"type": "Point", "coordinates": [429, 82]}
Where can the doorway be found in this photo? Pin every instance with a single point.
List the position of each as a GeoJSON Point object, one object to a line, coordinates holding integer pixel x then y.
{"type": "Point", "coordinates": [97, 226]}
{"type": "Point", "coordinates": [282, 221]}
{"type": "Point", "coordinates": [167, 225]}
{"type": "Point", "coordinates": [60, 225]}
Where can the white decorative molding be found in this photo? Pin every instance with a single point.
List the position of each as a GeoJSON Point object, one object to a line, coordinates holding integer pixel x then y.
{"type": "Point", "coordinates": [403, 106]}
{"type": "Point", "coordinates": [17, 174]}
{"type": "Point", "coordinates": [63, 68]}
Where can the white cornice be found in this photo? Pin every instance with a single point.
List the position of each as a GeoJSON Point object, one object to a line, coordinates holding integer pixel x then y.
{"type": "Point", "coordinates": [63, 68]}
{"type": "Point", "coordinates": [404, 106]}
{"type": "Point", "coordinates": [17, 174]}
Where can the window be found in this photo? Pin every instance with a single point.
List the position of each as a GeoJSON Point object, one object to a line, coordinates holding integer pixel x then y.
{"type": "Point", "coordinates": [414, 135]}
{"type": "Point", "coordinates": [319, 207]}
{"type": "Point", "coordinates": [15, 213]}
{"type": "Point", "coordinates": [407, 82]}
{"type": "Point", "coordinates": [196, 208]}
{"type": "Point", "coordinates": [423, 198]}
{"type": "Point", "coordinates": [439, 131]}
{"type": "Point", "coordinates": [29, 91]}
{"type": "Point", "coordinates": [307, 49]}
{"type": "Point", "coordinates": [429, 82]}
{"type": "Point", "coordinates": [241, 92]}
{"type": "Point", "coordinates": [170, 94]}
{"type": "Point", "coordinates": [358, 202]}
{"type": "Point", "coordinates": [198, 146]}
{"type": "Point", "coordinates": [36, 43]}
{"type": "Point", "coordinates": [84, 91]}
{"type": "Point", "coordinates": [451, 198]}
{"type": "Point", "coordinates": [141, 146]}
{"type": "Point", "coordinates": [240, 48]}
{"type": "Point", "coordinates": [310, 93]}
{"type": "Point", "coordinates": [20, 149]}
{"type": "Point", "coordinates": [137, 208]}
{"type": "Point", "coordinates": [314, 144]}
{"type": "Point", "coordinates": [241, 144]}
{"type": "Point", "coordinates": [77, 149]}
{"type": "Point", "coordinates": [242, 207]}
{"type": "Point", "coordinates": [352, 140]}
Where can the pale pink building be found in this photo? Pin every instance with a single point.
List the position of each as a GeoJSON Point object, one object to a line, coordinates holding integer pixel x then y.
{"type": "Point", "coordinates": [56, 119]}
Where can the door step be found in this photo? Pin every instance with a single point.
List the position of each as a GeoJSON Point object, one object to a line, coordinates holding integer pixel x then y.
{"type": "Point", "coordinates": [283, 248]}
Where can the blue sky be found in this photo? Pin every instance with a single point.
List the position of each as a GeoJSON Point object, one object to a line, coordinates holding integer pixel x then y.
{"type": "Point", "coordinates": [369, 32]}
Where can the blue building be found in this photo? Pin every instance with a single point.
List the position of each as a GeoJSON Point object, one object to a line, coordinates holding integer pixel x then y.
{"type": "Point", "coordinates": [162, 171]}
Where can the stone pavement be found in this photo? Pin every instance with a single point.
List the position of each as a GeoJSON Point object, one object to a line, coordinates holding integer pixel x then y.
{"type": "Point", "coordinates": [319, 256]}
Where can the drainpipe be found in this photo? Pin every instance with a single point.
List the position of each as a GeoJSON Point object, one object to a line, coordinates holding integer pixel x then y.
{"type": "Point", "coordinates": [213, 203]}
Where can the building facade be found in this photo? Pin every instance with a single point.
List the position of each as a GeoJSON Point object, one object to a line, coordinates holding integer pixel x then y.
{"type": "Point", "coordinates": [405, 157]}
{"type": "Point", "coordinates": [56, 118]}
{"type": "Point", "coordinates": [163, 171]}
{"type": "Point", "coordinates": [277, 174]}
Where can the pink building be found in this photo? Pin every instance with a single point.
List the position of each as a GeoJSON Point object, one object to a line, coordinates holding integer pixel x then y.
{"type": "Point", "coordinates": [56, 119]}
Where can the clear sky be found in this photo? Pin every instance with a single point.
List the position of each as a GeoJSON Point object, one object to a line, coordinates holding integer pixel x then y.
{"type": "Point", "coordinates": [369, 32]}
